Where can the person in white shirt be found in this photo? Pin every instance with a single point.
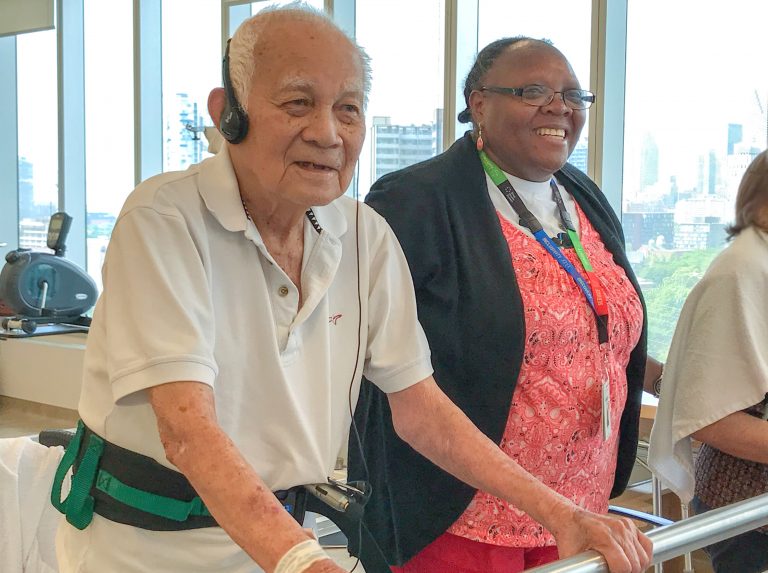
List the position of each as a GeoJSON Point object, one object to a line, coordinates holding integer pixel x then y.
{"type": "Point", "coordinates": [243, 300]}
{"type": "Point", "coordinates": [715, 387]}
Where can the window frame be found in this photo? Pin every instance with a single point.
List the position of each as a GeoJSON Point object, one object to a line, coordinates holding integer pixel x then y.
{"type": "Point", "coordinates": [9, 148]}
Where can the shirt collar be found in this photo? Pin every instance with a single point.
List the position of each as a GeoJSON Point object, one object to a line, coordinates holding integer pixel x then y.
{"type": "Point", "coordinates": [221, 194]}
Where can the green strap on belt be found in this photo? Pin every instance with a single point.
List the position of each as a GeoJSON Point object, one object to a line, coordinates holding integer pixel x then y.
{"type": "Point", "coordinates": [147, 502]}
{"type": "Point", "coordinates": [78, 505]}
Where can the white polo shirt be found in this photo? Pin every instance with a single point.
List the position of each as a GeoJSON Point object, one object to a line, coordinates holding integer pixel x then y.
{"type": "Point", "coordinates": [191, 293]}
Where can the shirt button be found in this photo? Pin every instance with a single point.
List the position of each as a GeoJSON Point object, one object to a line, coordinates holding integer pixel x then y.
{"type": "Point", "coordinates": [283, 291]}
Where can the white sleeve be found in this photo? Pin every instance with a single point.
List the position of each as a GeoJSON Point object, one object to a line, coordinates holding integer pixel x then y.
{"type": "Point", "coordinates": [156, 305]}
{"type": "Point", "coordinates": [398, 354]}
{"type": "Point", "coordinates": [717, 365]}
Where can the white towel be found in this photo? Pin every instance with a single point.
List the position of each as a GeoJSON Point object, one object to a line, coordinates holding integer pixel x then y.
{"type": "Point", "coordinates": [28, 521]}
{"type": "Point", "coordinates": [718, 360]}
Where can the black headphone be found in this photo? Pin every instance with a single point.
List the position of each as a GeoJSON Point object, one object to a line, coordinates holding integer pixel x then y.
{"type": "Point", "coordinates": [234, 121]}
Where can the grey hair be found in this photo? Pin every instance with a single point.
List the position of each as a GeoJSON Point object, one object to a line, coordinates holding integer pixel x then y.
{"type": "Point", "coordinates": [752, 198]}
{"type": "Point", "coordinates": [242, 57]}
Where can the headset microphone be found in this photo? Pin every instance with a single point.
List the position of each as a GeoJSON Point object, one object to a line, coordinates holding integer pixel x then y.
{"type": "Point", "coordinates": [234, 121]}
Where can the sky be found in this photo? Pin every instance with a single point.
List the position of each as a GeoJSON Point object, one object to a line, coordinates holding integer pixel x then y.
{"type": "Point", "coordinates": [693, 68]}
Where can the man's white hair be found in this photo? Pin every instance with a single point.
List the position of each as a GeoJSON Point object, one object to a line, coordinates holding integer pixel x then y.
{"type": "Point", "coordinates": [242, 57]}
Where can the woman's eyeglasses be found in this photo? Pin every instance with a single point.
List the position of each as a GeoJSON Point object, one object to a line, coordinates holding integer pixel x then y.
{"type": "Point", "coordinates": [539, 96]}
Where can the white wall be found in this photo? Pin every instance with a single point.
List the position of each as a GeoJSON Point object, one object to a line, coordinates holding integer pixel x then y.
{"type": "Point", "coordinates": [43, 369]}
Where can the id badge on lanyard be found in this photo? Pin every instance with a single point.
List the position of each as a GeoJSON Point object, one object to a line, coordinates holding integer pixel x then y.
{"type": "Point", "coordinates": [589, 286]}
{"type": "Point", "coordinates": [605, 391]}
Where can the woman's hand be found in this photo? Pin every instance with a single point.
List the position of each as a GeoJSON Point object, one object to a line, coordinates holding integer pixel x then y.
{"type": "Point", "coordinates": [625, 548]}
{"type": "Point", "coordinates": [425, 418]}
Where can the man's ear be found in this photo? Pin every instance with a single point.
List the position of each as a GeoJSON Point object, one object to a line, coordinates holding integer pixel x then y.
{"type": "Point", "coordinates": [217, 100]}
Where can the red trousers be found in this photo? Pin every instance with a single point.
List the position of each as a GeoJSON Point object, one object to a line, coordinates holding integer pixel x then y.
{"type": "Point", "coordinates": [453, 554]}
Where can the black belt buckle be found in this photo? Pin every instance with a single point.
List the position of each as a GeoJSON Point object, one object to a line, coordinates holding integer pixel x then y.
{"type": "Point", "coordinates": [294, 500]}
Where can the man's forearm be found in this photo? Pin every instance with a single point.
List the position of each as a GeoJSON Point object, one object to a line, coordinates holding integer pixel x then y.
{"type": "Point", "coordinates": [238, 499]}
{"type": "Point", "coordinates": [232, 491]}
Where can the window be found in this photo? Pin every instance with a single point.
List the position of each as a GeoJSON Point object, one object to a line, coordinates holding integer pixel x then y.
{"type": "Point", "coordinates": [240, 11]}
{"type": "Point", "coordinates": [692, 126]}
{"type": "Point", "coordinates": [407, 88]}
{"type": "Point", "coordinates": [109, 120]}
{"type": "Point", "coordinates": [258, 6]}
{"type": "Point", "coordinates": [38, 163]}
{"type": "Point", "coordinates": [570, 32]}
{"type": "Point", "coordinates": [191, 31]}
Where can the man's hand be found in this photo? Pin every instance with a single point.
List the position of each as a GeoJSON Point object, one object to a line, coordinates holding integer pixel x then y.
{"type": "Point", "coordinates": [325, 566]}
{"type": "Point", "coordinates": [625, 548]}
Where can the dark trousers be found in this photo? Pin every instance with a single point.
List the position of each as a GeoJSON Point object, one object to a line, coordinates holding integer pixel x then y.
{"type": "Point", "coordinates": [745, 553]}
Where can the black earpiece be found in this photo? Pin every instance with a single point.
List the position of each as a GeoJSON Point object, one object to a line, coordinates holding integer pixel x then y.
{"type": "Point", "coordinates": [234, 120]}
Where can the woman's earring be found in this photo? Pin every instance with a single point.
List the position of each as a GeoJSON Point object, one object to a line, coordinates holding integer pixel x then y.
{"type": "Point", "coordinates": [479, 143]}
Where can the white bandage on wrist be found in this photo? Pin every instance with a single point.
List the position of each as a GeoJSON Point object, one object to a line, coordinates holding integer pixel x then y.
{"type": "Point", "coordinates": [301, 556]}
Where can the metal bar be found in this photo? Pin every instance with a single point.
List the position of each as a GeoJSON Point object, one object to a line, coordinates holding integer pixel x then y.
{"type": "Point", "coordinates": [656, 498]}
{"type": "Point", "coordinates": [688, 568]}
{"type": "Point", "coordinates": [686, 535]}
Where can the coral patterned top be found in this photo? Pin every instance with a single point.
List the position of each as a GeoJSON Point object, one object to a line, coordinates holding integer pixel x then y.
{"type": "Point", "coordinates": [554, 428]}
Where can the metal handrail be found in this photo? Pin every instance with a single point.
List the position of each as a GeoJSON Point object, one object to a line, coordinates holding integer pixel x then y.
{"type": "Point", "coordinates": [673, 540]}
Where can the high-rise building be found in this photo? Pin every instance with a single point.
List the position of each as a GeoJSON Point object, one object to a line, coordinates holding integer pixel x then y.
{"type": "Point", "coordinates": [713, 173]}
{"type": "Point", "coordinates": [33, 216]}
{"type": "Point", "coordinates": [708, 174]}
{"type": "Point", "coordinates": [644, 227]}
{"type": "Point", "coordinates": [735, 133]}
{"type": "Point", "coordinates": [579, 155]}
{"type": "Point", "coordinates": [182, 133]}
{"type": "Point", "coordinates": [700, 222]}
{"type": "Point", "coordinates": [26, 197]}
{"type": "Point", "coordinates": [397, 146]}
{"type": "Point", "coordinates": [33, 234]}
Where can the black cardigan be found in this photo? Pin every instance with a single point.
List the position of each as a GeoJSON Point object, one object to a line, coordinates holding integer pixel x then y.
{"type": "Point", "coordinates": [471, 310]}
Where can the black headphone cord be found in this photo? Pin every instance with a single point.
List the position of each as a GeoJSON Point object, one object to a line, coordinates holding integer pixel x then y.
{"type": "Point", "coordinates": [354, 375]}
{"type": "Point", "coordinates": [357, 354]}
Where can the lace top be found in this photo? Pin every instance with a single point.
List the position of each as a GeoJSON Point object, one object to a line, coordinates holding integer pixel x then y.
{"type": "Point", "coordinates": [554, 426]}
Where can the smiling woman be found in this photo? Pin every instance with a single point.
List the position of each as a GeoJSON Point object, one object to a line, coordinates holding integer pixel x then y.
{"type": "Point", "coordinates": [534, 319]}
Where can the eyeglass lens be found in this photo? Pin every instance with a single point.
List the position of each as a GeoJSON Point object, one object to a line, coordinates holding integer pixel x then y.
{"type": "Point", "coordinates": [542, 95]}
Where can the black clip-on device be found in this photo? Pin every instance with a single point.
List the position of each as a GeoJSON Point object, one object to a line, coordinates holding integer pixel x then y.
{"type": "Point", "coordinates": [348, 498]}
{"type": "Point", "coordinates": [338, 501]}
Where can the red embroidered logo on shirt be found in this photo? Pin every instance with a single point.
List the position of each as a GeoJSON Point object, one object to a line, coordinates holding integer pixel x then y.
{"type": "Point", "coordinates": [332, 319]}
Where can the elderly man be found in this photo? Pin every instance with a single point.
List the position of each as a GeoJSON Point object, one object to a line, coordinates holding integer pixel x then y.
{"type": "Point", "coordinates": [243, 301]}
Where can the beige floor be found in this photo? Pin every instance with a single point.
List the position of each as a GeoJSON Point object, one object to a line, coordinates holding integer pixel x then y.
{"type": "Point", "coordinates": [21, 418]}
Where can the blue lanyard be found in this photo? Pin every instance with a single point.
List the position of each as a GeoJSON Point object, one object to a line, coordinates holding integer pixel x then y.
{"type": "Point", "coordinates": [530, 221]}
